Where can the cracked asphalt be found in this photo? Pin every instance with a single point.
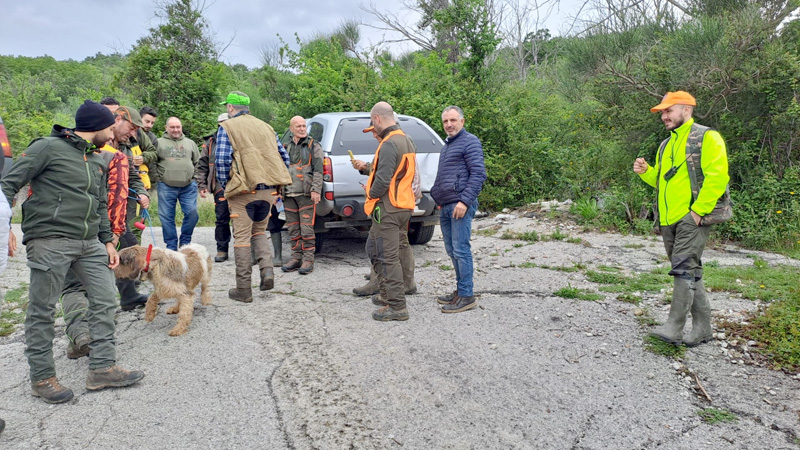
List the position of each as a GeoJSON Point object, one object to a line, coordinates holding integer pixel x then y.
{"type": "Point", "coordinates": [305, 367]}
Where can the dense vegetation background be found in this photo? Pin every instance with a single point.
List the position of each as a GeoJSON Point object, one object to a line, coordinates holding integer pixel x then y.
{"type": "Point", "coordinates": [559, 117]}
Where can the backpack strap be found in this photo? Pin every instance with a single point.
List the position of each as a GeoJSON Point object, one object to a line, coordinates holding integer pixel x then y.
{"type": "Point", "coordinates": [694, 147]}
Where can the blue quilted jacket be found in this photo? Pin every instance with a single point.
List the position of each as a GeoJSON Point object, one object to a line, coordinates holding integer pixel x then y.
{"type": "Point", "coordinates": [461, 170]}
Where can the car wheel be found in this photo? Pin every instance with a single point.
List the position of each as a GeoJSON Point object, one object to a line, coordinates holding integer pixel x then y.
{"type": "Point", "coordinates": [419, 234]}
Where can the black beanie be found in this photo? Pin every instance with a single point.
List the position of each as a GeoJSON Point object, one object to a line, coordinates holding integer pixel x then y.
{"type": "Point", "coordinates": [93, 116]}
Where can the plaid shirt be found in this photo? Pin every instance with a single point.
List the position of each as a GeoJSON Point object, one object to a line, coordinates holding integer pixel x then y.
{"type": "Point", "coordinates": [224, 157]}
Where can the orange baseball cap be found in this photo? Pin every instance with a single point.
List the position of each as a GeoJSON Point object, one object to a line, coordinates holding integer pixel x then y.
{"type": "Point", "coordinates": [369, 128]}
{"type": "Point", "coordinates": [674, 98]}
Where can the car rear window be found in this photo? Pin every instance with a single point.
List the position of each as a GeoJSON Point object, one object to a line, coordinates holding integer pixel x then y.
{"type": "Point", "coordinates": [350, 136]}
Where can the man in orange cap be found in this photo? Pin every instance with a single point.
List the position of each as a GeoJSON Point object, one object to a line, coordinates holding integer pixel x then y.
{"type": "Point", "coordinates": [691, 180]}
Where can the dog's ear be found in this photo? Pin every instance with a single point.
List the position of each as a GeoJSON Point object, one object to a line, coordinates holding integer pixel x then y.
{"type": "Point", "coordinates": [127, 257]}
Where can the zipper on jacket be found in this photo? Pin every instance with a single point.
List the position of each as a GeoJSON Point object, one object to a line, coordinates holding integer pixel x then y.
{"type": "Point", "coordinates": [88, 210]}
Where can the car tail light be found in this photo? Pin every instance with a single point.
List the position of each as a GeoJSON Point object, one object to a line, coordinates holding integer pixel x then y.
{"type": "Point", "coordinates": [327, 171]}
{"type": "Point", "coordinates": [329, 196]}
{"type": "Point", "coordinates": [4, 141]}
{"type": "Point", "coordinates": [347, 211]}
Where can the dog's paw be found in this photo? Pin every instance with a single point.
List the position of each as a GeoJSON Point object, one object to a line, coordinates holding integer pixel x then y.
{"type": "Point", "coordinates": [177, 331]}
{"type": "Point", "coordinates": [173, 309]}
{"type": "Point", "coordinates": [149, 316]}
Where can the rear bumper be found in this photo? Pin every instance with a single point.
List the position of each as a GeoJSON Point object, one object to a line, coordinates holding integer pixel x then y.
{"type": "Point", "coordinates": [425, 212]}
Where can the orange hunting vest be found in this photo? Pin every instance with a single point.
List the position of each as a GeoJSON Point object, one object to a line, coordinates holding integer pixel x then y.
{"type": "Point", "coordinates": [401, 195]}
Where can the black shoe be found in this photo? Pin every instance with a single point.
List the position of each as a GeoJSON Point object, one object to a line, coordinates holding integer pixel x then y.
{"type": "Point", "coordinates": [2, 425]}
{"type": "Point", "coordinates": [447, 299]}
{"type": "Point", "coordinates": [138, 302]}
{"type": "Point", "coordinates": [461, 304]}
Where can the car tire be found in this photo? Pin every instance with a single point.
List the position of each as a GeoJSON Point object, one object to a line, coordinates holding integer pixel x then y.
{"type": "Point", "coordinates": [419, 234]}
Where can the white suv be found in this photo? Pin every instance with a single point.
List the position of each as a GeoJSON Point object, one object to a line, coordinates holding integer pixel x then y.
{"type": "Point", "coordinates": [342, 203]}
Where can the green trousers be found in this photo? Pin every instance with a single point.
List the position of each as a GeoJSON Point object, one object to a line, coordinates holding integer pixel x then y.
{"type": "Point", "coordinates": [49, 259]}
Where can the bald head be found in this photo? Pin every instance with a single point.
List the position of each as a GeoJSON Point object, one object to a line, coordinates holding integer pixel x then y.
{"type": "Point", "coordinates": [382, 116]}
{"type": "Point", "coordinates": [298, 128]}
{"type": "Point", "coordinates": [174, 128]}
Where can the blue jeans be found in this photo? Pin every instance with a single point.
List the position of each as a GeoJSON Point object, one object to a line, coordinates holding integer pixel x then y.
{"type": "Point", "coordinates": [168, 197]}
{"type": "Point", "coordinates": [456, 234]}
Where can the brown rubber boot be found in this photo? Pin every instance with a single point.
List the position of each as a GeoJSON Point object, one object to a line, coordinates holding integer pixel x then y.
{"type": "Point", "coordinates": [407, 262]}
{"type": "Point", "coordinates": [263, 254]}
{"type": "Point", "coordinates": [51, 391]}
{"type": "Point", "coordinates": [243, 292]}
{"type": "Point", "coordinates": [111, 377]}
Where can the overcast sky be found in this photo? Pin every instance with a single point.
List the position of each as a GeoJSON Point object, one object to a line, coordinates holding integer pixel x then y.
{"type": "Point", "coordinates": [75, 29]}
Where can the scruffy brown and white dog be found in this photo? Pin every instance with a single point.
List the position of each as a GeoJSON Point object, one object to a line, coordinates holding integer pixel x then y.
{"type": "Point", "coordinates": [174, 275]}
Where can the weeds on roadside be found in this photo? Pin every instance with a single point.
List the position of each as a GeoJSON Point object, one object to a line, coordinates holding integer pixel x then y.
{"type": "Point", "coordinates": [16, 302]}
{"type": "Point", "coordinates": [577, 294]}
{"type": "Point", "coordinates": [445, 267]}
{"type": "Point", "coordinates": [659, 347]}
{"type": "Point", "coordinates": [714, 415]}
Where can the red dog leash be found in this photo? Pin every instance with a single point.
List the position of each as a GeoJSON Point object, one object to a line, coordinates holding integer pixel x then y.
{"type": "Point", "coordinates": [147, 261]}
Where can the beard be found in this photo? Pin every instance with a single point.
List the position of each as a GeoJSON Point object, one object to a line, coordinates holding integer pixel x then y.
{"type": "Point", "coordinates": [99, 140]}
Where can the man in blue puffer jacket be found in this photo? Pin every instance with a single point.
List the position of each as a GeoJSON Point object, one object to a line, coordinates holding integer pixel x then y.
{"type": "Point", "coordinates": [458, 182]}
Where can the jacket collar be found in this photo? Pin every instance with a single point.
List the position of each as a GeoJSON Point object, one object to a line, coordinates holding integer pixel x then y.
{"type": "Point", "coordinates": [449, 139]}
{"type": "Point", "coordinates": [303, 141]}
{"type": "Point", "coordinates": [683, 129]}
{"type": "Point", "coordinates": [73, 139]}
{"type": "Point", "coordinates": [388, 130]}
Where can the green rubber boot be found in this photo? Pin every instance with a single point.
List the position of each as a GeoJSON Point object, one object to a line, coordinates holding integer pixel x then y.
{"type": "Point", "coordinates": [682, 298]}
{"type": "Point", "coordinates": [701, 317]}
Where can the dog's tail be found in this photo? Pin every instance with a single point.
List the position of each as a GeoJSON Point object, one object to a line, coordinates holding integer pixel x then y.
{"type": "Point", "coordinates": [200, 249]}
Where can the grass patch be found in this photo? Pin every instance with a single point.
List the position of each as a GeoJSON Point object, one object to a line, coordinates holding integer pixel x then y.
{"type": "Point", "coordinates": [486, 232]}
{"type": "Point", "coordinates": [530, 236]}
{"type": "Point", "coordinates": [16, 302]}
{"type": "Point", "coordinates": [646, 321]}
{"type": "Point", "coordinates": [560, 268]}
{"type": "Point", "coordinates": [518, 245]}
{"type": "Point", "coordinates": [605, 278]}
{"type": "Point", "coordinates": [777, 330]}
{"type": "Point", "coordinates": [629, 298]}
{"type": "Point", "coordinates": [578, 241]}
{"type": "Point", "coordinates": [714, 415]}
{"type": "Point", "coordinates": [205, 211]}
{"type": "Point", "coordinates": [633, 246]}
{"type": "Point", "coordinates": [577, 294]}
{"type": "Point", "coordinates": [494, 254]}
{"type": "Point", "coordinates": [652, 281]}
{"type": "Point", "coordinates": [527, 265]}
{"type": "Point", "coordinates": [586, 208]}
{"type": "Point", "coordinates": [558, 235]}
{"type": "Point", "coordinates": [659, 347]}
{"type": "Point", "coordinates": [756, 282]}
{"type": "Point", "coordinates": [612, 269]}
{"type": "Point", "coordinates": [445, 267]}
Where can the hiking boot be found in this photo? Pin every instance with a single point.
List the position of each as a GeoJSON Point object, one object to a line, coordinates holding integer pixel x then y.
{"type": "Point", "coordinates": [447, 299]}
{"type": "Point", "coordinates": [379, 301]}
{"type": "Point", "coordinates": [292, 265]}
{"type": "Point", "coordinates": [370, 288]}
{"type": "Point", "coordinates": [111, 377]}
{"type": "Point", "coordinates": [51, 391]}
{"type": "Point", "coordinates": [410, 290]}
{"type": "Point", "coordinates": [221, 257]}
{"type": "Point", "coordinates": [386, 314]}
{"type": "Point", "coordinates": [306, 268]}
{"type": "Point", "coordinates": [460, 304]}
{"type": "Point", "coordinates": [79, 347]}
{"type": "Point", "coordinates": [241, 295]}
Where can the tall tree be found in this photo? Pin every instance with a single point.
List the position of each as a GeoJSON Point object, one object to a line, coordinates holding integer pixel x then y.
{"type": "Point", "coordinates": [175, 69]}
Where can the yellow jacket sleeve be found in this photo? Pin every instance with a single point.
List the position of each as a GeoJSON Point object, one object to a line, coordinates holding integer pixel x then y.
{"type": "Point", "coordinates": [714, 161]}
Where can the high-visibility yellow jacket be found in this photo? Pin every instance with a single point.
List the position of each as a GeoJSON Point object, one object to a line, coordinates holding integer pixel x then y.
{"type": "Point", "coordinates": [675, 194]}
